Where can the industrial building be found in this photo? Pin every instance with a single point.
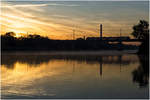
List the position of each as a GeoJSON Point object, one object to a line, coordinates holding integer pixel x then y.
{"type": "Point", "coordinates": [107, 38]}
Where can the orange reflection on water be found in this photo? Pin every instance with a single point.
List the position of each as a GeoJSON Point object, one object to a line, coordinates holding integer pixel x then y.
{"type": "Point", "coordinates": [50, 76]}
{"type": "Point", "coordinates": [24, 72]}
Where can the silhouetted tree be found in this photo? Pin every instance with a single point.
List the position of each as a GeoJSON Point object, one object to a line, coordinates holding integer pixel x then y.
{"type": "Point", "coordinates": [141, 74]}
{"type": "Point", "coordinates": [141, 31]}
{"type": "Point", "coordinates": [30, 42]}
{"type": "Point", "coordinates": [10, 34]}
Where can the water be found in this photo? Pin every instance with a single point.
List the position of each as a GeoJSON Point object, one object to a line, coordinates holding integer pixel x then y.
{"type": "Point", "coordinates": [70, 75]}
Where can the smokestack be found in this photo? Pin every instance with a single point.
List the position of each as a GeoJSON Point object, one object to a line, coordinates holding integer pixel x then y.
{"type": "Point", "coordinates": [101, 31]}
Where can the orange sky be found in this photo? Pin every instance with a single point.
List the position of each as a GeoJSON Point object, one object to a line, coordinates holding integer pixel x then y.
{"type": "Point", "coordinates": [57, 20]}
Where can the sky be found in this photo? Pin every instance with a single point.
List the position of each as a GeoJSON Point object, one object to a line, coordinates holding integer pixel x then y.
{"type": "Point", "coordinates": [58, 19]}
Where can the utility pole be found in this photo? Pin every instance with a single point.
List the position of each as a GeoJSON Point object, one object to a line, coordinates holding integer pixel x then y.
{"type": "Point", "coordinates": [73, 35]}
{"type": "Point", "coordinates": [101, 31]}
{"type": "Point", "coordinates": [120, 33]}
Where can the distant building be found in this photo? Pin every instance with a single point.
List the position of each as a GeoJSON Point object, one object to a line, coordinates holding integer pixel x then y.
{"type": "Point", "coordinates": [105, 38]}
{"type": "Point", "coordinates": [92, 38]}
{"type": "Point", "coordinates": [116, 38]}
{"type": "Point", "coordinates": [109, 38]}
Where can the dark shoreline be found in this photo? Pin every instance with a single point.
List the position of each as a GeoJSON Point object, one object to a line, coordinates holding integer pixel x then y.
{"type": "Point", "coordinates": [92, 52]}
{"type": "Point", "coordinates": [70, 48]}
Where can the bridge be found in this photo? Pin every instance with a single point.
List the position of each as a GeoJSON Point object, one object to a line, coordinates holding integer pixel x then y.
{"type": "Point", "coordinates": [114, 39]}
{"type": "Point", "coordinates": [126, 40]}
{"type": "Point", "coordinates": [111, 39]}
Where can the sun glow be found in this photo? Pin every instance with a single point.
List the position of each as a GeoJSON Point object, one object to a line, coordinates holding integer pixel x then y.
{"type": "Point", "coordinates": [57, 21]}
{"type": "Point", "coordinates": [17, 35]}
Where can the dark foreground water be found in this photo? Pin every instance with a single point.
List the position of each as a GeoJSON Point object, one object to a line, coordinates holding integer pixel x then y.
{"type": "Point", "coordinates": [63, 75]}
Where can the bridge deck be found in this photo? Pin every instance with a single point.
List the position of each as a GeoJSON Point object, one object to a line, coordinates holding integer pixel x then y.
{"type": "Point", "coordinates": [128, 40]}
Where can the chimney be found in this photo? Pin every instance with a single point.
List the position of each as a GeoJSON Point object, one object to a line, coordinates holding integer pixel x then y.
{"type": "Point", "coordinates": [101, 31]}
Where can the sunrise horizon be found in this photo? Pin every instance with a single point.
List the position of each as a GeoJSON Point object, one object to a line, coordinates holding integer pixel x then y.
{"type": "Point", "coordinates": [74, 49]}
{"type": "Point", "coordinates": [58, 19]}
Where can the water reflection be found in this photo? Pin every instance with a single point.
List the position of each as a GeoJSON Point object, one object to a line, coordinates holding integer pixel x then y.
{"type": "Point", "coordinates": [10, 60]}
{"type": "Point", "coordinates": [141, 74]}
{"type": "Point", "coordinates": [73, 76]}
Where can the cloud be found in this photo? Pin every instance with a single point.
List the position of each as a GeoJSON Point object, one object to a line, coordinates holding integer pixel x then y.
{"type": "Point", "coordinates": [60, 4]}
{"type": "Point", "coordinates": [24, 5]}
{"type": "Point", "coordinates": [58, 19]}
{"type": "Point", "coordinates": [35, 5]}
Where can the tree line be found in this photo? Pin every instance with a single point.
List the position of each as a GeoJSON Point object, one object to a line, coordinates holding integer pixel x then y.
{"type": "Point", "coordinates": [36, 42]}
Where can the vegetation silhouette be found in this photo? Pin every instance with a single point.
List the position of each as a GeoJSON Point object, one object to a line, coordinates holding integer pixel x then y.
{"type": "Point", "coordinates": [141, 31]}
{"type": "Point", "coordinates": [141, 74]}
{"type": "Point", "coordinates": [29, 42]}
{"type": "Point", "coordinates": [40, 43]}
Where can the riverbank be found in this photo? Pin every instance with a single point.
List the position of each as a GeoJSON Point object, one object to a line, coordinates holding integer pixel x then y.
{"type": "Point", "coordinates": [102, 52]}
